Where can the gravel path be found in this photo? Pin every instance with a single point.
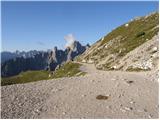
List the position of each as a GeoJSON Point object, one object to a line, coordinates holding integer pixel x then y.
{"type": "Point", "coordinates": [129, 95]}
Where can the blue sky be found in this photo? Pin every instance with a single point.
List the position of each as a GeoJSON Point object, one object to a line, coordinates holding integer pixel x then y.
{"type": "Point", "coordinates": [43, 25]}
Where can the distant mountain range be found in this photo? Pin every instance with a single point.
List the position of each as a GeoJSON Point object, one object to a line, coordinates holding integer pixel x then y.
{"type": "Point", "coordinates": [12, 63]}
{"type": "Point", "coordinates": [11, 55]}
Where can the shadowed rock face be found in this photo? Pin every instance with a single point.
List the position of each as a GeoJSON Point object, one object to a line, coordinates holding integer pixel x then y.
{"type": "Point", "coordinates": [57, 57]}
{"type": "Point", "coordinates": [41, 60]}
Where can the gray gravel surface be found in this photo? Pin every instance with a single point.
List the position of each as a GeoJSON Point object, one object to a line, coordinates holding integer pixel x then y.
{"type": "Point", "coordinates": [75, 97]}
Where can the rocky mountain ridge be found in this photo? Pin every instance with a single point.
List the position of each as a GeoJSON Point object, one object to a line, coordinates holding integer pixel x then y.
{"type": "Point", "coordinates": [40, 60]}
{"type": "Point", "coordinates": [6, 55]}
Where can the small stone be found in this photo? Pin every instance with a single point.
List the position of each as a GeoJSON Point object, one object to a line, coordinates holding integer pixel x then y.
{"type": "Point", "coordinates": [126, 25]}
{"type": "Point", "coordinates": [64, 113]}
{"type": "Point", "coordinates": [49, 75]}
{"type": "Point", "coordinates": [106, 46]}
{"type": "Point", "coordinates": [37, 111]}
{"type": "Point", "coordinates": [119, 96]}
{"type": "Point", "coordinates": [123, 79]}
{"type": "Point", "coordinates": [84, 61]}
{"type": "Point", "coordinates": [128, 108]}
{"type": "Point", "coordinates": [132, 102]}
{"type": "Point", "coordinates": [55, 106]}
{"type": "Point", "coordinates": [114, 67]}
{"type": "Point", "coordinates": [117, 85]}
{"type": "Point", "coordinates": [129, 82]}
{"type": "Point", "coordinates": [155, 49]}
{"type": "Point", "coordinates": [102, 97]}
{"type": "Point", "coordinates": [145, 110]}
{"type": "Point", "coordinates": [83, 95]}
{"type": "Point", "coordinates": [120, 105]}
{"type": "Point", "coordinates": [122, 110]}
{"type": "Point", "coordinates": [92, 81]}
{"type": "Point", "coordinates": [108, 107]}
{"type": "Point", "coordinates": [149, 116]}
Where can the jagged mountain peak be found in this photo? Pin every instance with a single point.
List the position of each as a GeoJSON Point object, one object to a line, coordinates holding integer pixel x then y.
{"type": "Point", "coordinates": [38, 60]}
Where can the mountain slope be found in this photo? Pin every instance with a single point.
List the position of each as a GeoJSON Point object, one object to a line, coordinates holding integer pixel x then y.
{"type": "Point", "coordinates": [108, 52]}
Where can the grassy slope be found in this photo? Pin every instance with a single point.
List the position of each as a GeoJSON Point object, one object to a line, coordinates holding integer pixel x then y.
{"type": "Point", "coordinates": [68, 70]}
{"type": "Point", "coordinates": [24, 77]}
{"type": "Point", "coordinates": [128, 38]}
{"type": "Point", "coordinates": [138, 32]}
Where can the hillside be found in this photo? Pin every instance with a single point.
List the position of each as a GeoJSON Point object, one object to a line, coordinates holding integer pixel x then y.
{"type": "Point", "coordinates": [120, 49]}
{"type": "Point", "coordinates": [69, 69]}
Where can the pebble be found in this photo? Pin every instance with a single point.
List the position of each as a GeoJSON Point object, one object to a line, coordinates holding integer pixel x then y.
{"type": "Point", "coordinates": [55, 106]}
{"type": "Point", "coordinates": [145, 110]}
{"type": "Point", "coordinates": [92, 81]}
{"type": "Point", "coordinates": [119, 96]}
{"type": "Point", "coordinates": [124, 79]}
{"type": "Point", "coordinates": [83, 95]}
{"type": "Point", "coordinates": [128, 108]}
{"type": "Point", "coordinates": [108, 107]}
{"type": "Point", "coordinates": [64, 113]}
{"type": "Point", "coordinates": [117, 85]}
{"type": "Point", "coordinates": [132, 102]}
{"type": "Point", "coordinates": [129, 82]}
{"type": "Point", "coordinates": [120, 105]}
{"type": "Point", "coordinates": [123, 110]}
{"type": "Point", "coordinates": [149, 116]}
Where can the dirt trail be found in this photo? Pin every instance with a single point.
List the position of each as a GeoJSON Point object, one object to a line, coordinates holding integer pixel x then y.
{"type": "Point", "coordinates": [129, 95]}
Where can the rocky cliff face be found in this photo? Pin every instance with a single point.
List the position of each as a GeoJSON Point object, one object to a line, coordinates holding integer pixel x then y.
{"type": "Point", "coordinates": [57, 57]}
{"type": "Point", "coordinates": [131, 47]}
{"type": "Point", "coordinates": [41, 60]}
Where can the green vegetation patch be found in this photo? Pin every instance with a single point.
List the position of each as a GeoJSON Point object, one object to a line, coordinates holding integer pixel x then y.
{"type": "Point", "coordinates": [25, 77]}
{"type": "Point", "coordinates": [67, 70]}
{"type": "Point", "coordinates": [137, 32]}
